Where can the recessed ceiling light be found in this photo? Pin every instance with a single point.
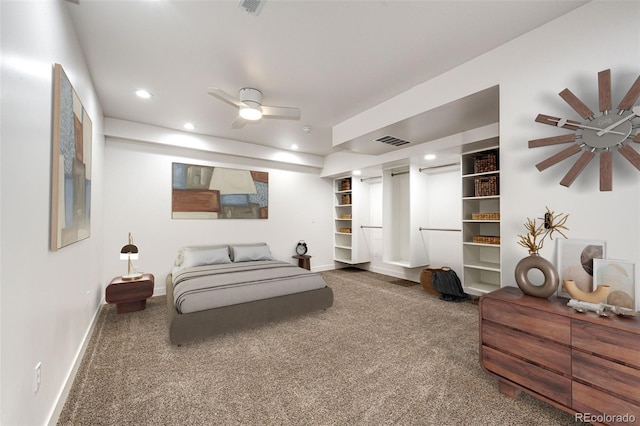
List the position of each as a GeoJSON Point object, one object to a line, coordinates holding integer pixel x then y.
{"type": "Point", "coordinates": [189, 126]}
{"type": "Point", "coordinates": [357, 172]}
{"type": "Point", "coordinates": [142, 93]}
{"type": "Point", "coordinates": [430, 157]}
{"type": "Point", "coordinates": [294, 147]}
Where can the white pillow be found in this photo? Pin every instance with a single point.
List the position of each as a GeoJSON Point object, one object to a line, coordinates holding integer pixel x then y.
{"type": "Point", "coordinates": [210, 256]}
{"type": "Point", "coordinates": [248, 253]}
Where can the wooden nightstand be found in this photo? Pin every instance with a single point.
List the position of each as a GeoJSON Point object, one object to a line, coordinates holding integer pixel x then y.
{"type": "Point", "coordinates": [130, 295]}
{"type": "Point", "coordinates": [304, 261]}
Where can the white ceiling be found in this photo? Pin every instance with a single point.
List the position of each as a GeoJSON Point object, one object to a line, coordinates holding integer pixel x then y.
{"type": "Point", "coordinates": [333, 59]}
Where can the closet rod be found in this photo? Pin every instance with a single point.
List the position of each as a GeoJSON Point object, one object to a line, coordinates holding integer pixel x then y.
{"type": "Point", "coordinates": [440, 229]}
{"type": "Point", "coordinates": [369, 178]}
{"type": "Point", "coordinates": [438, 167]}
{"type": "Point", "coordinates": [370, 226]}
{"type": "Point", "coordinates": [399, 173]}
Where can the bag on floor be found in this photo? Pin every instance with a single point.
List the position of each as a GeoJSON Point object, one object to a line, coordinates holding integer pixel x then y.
{"type": "Point", "coordinates": [446, 281]}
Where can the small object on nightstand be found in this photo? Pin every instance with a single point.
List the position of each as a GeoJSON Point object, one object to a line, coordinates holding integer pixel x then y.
{"type": "Point", "coordinates": [304, 261]}
{"type": "Point", "coordinates": [130, 295]}
{"type": "Point", "coordinates": [301, 248]}
{"type": "Point", "coordinates": [130, 252]}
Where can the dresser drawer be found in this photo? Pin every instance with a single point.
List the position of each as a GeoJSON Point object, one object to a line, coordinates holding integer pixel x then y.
{"type": "Point", "coordinates": [606, 341]}
{"type": "Point", "coordinates": [613, 377]}
{"type": "Point", "coordinates": [541, 351]}
{"type": "Point", "coordinates": [533, 377]}
{"type": "Point", "coordinates": [534, 321]}
{"type": "Point", "coordinates": [594, 402]}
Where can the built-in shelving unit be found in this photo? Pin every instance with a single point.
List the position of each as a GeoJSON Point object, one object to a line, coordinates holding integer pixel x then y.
{"type": "Point", "coordinates": [481, 221]}
{"type": "Point", "coordinates": [351, 209]}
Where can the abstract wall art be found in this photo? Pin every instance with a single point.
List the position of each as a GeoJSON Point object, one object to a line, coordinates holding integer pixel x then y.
{"type": "Point", "coordinates": [575, 262]}
{"type": "Point", "coordinates": [70, 165]}
{"type": "Point", "coordinates": [620, 276]}
{"type": "Point", "coordinates": [207, 192]}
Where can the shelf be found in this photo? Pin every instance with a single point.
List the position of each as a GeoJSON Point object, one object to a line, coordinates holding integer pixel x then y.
{"type": "Point", "coordinates": [351, 199]}
{"type": "Point", "coordinates": [403, 263]}
{"type": "Point", "coordinates": [482, 270]}
{"type": "Point", "coordinates": [347, 261]}
{"type": "Point", "coordinates": [468, 243]}
{"type": "Point", "coordinates": [474, 175]}
{"type": "Point", "coordinates": [484, 197]}
{"type": "Point", "coordinates": [478, 289]}
{"type": "Point", "coordinates": [486, 266]}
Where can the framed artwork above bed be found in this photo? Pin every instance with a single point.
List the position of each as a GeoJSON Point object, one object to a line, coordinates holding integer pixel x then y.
{"type": "Point", "coordinates": [207, 192]}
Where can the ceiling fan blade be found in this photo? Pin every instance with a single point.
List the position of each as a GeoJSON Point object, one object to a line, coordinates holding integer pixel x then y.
{"type": "Point", "coordinates": [631, 97]}
{"type": "Point", "coordinates": [637, 138]}
{"type": "Point", "coordinates": [221, 94]}
{"type": "Point", "coordinates": [604, 90]}
{"type": "Point", "coordinates": [577, 168]}
{"type": "Point", "coordinates": [631, 155]}
{"type": "Point", "coordinates": [553, 140]}
{"type": "Point", "coordinates": [238, 123]}
{"type": "Point", "coordinates": [281, 112]}
{"type": "Point", "coordinates": [576, 104]}
{"type": "Point", "coordinates": [606, 171]}
{"type": "Point", "coordinates": [556, 158]}
{"type": "Point", "coordinates": [553, 121]}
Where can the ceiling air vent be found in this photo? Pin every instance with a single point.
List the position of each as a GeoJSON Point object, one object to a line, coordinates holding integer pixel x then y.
{"type": "Point", "coordinates": [252, 6]}
{"type": "Point", "coordinates": [392, 140]}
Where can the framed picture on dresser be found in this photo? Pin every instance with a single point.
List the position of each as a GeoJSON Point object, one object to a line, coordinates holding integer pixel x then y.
{"type": "Point", "coordinates": [620, 276]}
{"type": "Point", "coordinates": [575, 259]}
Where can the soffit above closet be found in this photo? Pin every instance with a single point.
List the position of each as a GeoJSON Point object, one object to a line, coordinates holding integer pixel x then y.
{"type": "Point", "coordinates": [470, 112]}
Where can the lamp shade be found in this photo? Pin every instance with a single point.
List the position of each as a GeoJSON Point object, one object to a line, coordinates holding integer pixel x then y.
{"type": "Point", "coordinates": [130, 252]}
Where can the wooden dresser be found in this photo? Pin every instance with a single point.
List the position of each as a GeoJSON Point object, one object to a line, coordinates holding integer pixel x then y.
{"type": "Point", "coordinates": [579, 362]}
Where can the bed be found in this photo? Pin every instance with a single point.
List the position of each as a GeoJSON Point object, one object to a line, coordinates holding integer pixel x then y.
{"type": "Point", "coordinates": [216, 289]}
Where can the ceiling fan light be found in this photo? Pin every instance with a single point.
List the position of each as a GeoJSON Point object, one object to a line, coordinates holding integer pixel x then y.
{"type": "Point", "coordinates": [251, 113]}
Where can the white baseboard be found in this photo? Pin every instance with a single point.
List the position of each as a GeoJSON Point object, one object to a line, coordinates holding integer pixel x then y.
{"type": "Point", "coordinates": [64, 392]}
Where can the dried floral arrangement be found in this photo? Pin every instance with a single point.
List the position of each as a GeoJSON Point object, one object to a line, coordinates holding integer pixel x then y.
{"type": "Point", "coordinates": [537, 232]}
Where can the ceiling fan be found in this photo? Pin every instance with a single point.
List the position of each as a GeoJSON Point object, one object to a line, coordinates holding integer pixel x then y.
{"type": "Point", "coordinates": [250, 108]}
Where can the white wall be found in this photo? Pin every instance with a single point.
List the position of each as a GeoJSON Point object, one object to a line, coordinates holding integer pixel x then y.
{"type": "Point", "coordinates": [531, 70]}
{"type": "Point", "coordinates": [48, 299]}
{"type": "Point", "coordinates": [138, 200]}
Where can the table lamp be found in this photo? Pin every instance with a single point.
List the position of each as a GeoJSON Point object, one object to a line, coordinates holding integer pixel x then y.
{"type": "Point", "coordinates": [129, 253]}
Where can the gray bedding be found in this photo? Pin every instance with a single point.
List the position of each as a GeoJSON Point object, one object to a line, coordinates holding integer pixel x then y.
{"type": "Point", "coordinates": [206, 287]}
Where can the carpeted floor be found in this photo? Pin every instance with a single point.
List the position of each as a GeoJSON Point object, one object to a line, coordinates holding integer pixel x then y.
{"type": "Point", "coordinates": [383, 354]}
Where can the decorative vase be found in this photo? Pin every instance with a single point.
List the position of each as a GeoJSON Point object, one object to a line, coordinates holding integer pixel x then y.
{"type": "Point", "coordinates": [551, 278]}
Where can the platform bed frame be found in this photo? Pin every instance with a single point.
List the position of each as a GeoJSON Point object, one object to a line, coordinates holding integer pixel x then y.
{"type": "Point", "coordinates": [187, 328]}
